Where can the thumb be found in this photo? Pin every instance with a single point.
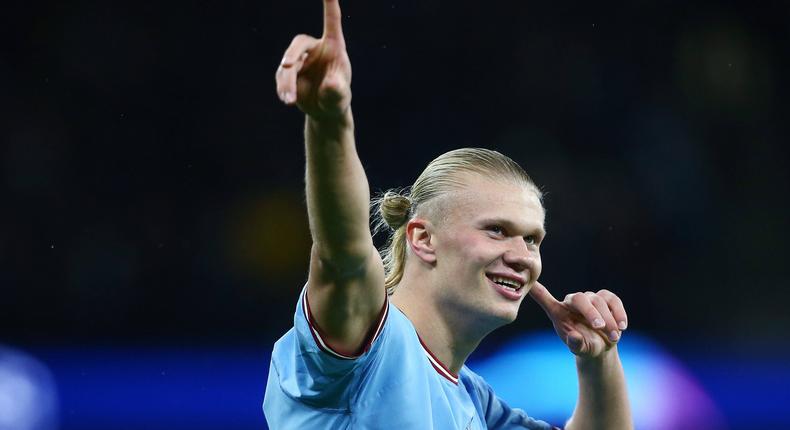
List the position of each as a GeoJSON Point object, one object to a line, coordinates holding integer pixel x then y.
{"type": "Point", "coordinates": [575, 343]}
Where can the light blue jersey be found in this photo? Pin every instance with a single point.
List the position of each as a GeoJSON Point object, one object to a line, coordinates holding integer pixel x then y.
{"type": "Point", "coordinates": [396, 383]}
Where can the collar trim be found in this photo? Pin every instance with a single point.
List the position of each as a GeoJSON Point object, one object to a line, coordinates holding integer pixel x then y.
{"type": "Point", "coordinates": [441, 369]}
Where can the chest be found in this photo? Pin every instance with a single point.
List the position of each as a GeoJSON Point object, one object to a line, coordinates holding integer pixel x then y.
{"type": "Point", "coordinates": [415, 396]}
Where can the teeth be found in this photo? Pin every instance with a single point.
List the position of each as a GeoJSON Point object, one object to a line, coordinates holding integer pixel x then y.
{"type": "Point", "coordinates": [507, 283]}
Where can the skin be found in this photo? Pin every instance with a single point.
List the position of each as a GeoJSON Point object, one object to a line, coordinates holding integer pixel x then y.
{"type": "Point", "coordinates": [488, 227]}
{"type": "Point", "coordinates": [444, 290]}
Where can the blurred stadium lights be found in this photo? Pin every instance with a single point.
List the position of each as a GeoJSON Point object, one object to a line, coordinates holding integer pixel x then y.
{"type": "Point", "coordinates": [28, 396]}
{"type": "Point", "coordinates": [267, 237]}
{"type": "Point", "coordinates": [222, 387]}
{"type": "Point", "coordinates": [664, 395]}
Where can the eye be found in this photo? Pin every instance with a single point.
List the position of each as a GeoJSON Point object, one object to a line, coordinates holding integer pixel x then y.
{"type": "Point", "coordinates": [533, 239]}
{"type": "Point", "coordinates": [498, 230]}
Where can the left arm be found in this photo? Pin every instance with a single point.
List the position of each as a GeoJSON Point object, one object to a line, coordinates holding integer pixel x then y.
{"type": "Point", "coordinates": [603, 400]}
{"type": "Point", "coordinates": [590, 324]}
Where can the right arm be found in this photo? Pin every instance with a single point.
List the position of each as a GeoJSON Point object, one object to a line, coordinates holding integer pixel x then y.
{"type": "Point", "coordinates": [345, 287]}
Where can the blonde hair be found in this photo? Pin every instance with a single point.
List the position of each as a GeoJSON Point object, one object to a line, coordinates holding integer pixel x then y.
{"type": "Point", "coordinates": [444, 174]}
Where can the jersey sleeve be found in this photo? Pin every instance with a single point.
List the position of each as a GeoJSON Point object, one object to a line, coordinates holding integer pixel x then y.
{"type": "Point", "coordinates": [498, 414]}
{"type": "Point", "coordinates": [310, 371]}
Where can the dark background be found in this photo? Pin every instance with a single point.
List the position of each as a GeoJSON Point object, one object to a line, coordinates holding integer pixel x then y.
{"type": "Point", "coordinates": [152, 184]}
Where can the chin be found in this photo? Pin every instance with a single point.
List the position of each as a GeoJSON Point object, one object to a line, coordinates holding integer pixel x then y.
{"type": "Point", "coordinates": [509, 317]}
{"type": "Point", "coordinates": [504, 315]}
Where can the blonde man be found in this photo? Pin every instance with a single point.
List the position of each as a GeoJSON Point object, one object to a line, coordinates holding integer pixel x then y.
{"type": "Point", "coordinates": [380, 343]}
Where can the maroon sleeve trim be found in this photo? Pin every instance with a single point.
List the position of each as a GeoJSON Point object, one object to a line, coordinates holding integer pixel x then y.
{"type": "Point", "coordinates": [318, 335]}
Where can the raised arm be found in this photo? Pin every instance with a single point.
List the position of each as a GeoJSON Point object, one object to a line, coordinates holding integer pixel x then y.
{"type": "Point", "coordinates": [345, 288]}
{"type": "Point", "coordinates": [590, 324]}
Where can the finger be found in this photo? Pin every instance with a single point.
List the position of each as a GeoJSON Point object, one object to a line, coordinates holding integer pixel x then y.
{"type": "Point", "coordinates": [291, 65]}
{"type": "Point", "coordinates": [580, 303]}
{"type": "Point", "coordinates": [286, 83]}
{"type": "Point", "coordinates": [543, 297]}
{"type": "Point", "coordinates": [333, 27]}
{"type": "Point", "coordinates": [616, 307]}
{"type": "Point", "coordinates": [300, 45]}
{"type": "Point", "coordinates": [610, 328]}
{"type": "Point", "coordinates": [575, 342]}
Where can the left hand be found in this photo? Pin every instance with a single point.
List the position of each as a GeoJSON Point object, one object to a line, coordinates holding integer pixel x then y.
{"type": "Point", "coordinates": [589, 323]}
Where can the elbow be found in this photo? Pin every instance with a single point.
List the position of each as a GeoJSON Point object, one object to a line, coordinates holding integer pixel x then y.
{"type": "Point", "coordinates": [344, 262]}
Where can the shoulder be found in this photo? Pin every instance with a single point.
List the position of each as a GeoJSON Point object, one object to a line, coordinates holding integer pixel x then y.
{"type": "Point", "coordinates": [497, 413]}
{"type": "Point", "coordinates": [307, 366]}
{"type": "Point", "coordinates": [473, 380]}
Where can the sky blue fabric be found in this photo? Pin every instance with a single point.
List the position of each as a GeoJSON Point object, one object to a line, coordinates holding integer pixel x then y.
{"type": "Point", "coordinates": [392, 385]}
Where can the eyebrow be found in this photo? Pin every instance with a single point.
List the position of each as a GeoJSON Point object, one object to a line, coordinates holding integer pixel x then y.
{"type": "Point", "coordinates": [512, 226]}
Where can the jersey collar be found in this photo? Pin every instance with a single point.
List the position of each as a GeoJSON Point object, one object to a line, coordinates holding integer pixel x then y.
{"type": "Point", "coordinates": [438, 365]}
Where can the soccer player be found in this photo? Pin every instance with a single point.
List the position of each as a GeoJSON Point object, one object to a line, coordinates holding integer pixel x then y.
{"type": "Point", "coordinates": [380, 341]}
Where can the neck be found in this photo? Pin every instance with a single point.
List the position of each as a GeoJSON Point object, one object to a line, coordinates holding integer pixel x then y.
{"type": "Point", "coordinates": [451, 338]}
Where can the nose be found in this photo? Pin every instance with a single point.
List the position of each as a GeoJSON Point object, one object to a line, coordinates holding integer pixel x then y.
{"type": "Point", "coordinates": [520, 257]}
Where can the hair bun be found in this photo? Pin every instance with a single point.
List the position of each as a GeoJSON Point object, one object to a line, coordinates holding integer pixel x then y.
{"type": "Point", "coordinates": [395, 209]}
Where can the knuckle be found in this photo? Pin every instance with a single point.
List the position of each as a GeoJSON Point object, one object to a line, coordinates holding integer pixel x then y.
{"type": "Point", "coordinates": [593, 298]}
{"type": "Point", "coordinates": [300, 37]}
{"type": "Point", "coordinates": [579, 299]}
{"type": "Point", "coordinates": [597, 300]}
{"type": "Point", "coordinates": [609, 296]}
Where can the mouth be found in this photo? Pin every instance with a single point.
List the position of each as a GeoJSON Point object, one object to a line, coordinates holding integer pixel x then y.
{"type": "Point", "coordinates": [508, 287]}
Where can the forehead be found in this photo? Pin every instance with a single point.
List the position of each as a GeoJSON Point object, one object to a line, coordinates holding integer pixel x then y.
{"type": "Point", "coordinates": [482, 198]}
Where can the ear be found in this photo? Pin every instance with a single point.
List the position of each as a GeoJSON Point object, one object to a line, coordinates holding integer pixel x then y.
{"type": "Point", "coordinates": [419, 238]}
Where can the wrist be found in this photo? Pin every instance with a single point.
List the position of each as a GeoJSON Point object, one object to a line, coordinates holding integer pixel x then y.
{"type": "Point", "coordinates": [600, 362]}
{"type": "Point", "coordinates": [322, 130]}
{"type": "Point", "coordinates": [328, 122]}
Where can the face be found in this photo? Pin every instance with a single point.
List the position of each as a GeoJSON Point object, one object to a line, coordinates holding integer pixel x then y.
{"type": "Point", "coordinates": [487, 243]}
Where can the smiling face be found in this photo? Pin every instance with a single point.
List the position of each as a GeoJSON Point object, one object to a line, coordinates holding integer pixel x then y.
{"type": "Point", "coordinates": [487, 244]}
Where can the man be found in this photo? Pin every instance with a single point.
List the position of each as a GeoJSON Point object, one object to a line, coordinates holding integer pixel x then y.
{"type": "Point", "coordinates": [381, 343]}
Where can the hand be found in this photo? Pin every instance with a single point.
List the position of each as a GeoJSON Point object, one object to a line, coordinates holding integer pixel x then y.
{"type": "Point", "coordinates": [315, 74]}
{"type": "Point", "coordinates": [589, 323]}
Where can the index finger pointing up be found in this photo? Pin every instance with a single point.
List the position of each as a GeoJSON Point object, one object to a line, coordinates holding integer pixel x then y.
{"type": "Point", "coordinates": [333, 27]}
{"type": "Point", "coordinates": [543, 297]}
